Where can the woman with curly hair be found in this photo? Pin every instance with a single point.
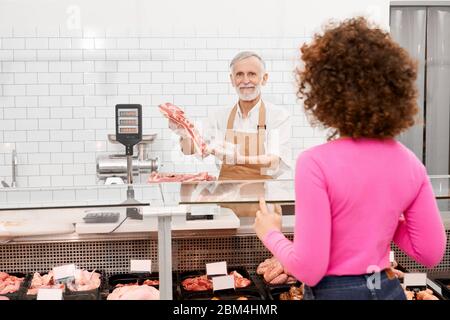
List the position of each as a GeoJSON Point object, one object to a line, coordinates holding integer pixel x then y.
{"type": "Point", "coordinates": [362, 189]}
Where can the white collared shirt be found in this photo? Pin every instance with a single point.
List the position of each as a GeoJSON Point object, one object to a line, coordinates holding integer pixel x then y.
{"type": "Point", "coordinates": [278, 131]}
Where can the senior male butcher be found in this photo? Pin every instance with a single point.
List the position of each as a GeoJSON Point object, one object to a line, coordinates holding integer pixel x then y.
{"type": "Point", "coordinates": [250, 139]}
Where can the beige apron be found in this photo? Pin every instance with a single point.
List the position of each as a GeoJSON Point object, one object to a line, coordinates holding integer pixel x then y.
{"type": "Point", "coordinates": [248, 144]}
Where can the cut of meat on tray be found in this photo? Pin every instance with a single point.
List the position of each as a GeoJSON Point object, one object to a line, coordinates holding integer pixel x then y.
{"type": "Point", "coordinates": [85, 281]}
{"type": "Point", "coordinates": [178, 177]}
{"type": "Point", "coordinates": [9, 283]}
{"type": "Point", "coordinates": [134, 292]}
{"type": "Point", "coordinates": [177, 115]}
{"type": "Point", "coordinates": [203, 283]}
{"type": "Point", "coordinates": [43, 282]}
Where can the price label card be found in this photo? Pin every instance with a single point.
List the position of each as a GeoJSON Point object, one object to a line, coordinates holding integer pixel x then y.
{"type": "Point", "coordinates": [391, 256]}
{"type": "Point", "coordinates": [64, 273]}
{"type": "Point", "coordinates": [434, 286]}
{"type": "Point", "coordinates": [141, 266]}
{"type": "Point", "coordinates": [216, 268]}
{"type": "Point", "coordinates": [49, 294]}
{"type": "Point", "coordinates": [223, 282]}
{"type": "Point", "coordinates": [415, 279]}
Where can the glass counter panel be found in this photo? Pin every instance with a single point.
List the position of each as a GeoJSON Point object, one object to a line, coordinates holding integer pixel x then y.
{"type": "Point", "coordinates": [441, 185]}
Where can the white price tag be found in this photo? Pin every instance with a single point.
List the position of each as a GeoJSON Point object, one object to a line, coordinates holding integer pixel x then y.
{"type": "Point", "coordinates": [415, 279]}
{"type": "Point", "coordinates": [49, 294]}
{"type": "Point", "coordinates": [434, 286]}
{"type": "Point", "coordinates": [391, 256]}
{"type": "Point", "coordinates": [223, 282]}
{"type": "Point", "coordinates": [216, 268]}
{"type": "Point", "coordinates": [141, 266]}
{"type": "Point", "coordinates": [64, 273]}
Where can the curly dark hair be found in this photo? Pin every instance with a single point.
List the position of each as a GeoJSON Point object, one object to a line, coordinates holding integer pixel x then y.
{"type": "Point", "coordinates": [358, 81]}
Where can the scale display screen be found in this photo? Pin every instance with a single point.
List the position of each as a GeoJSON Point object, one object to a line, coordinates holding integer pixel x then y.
{"type": "Point", "coordinates": [129, 125]}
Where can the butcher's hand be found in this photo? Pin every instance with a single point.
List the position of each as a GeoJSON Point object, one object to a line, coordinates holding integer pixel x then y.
{"type": "Point", "coordinates": [179, 130]}
{"type": "Point", "coordinates": [266, 220]}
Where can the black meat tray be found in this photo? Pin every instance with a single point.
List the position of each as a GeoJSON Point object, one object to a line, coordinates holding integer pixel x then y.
{"type": "Point", "coordinates": [444, 283]}
{"type": "Point", "coordinates": [226, 295]}
{"type": "Point", "coordinates": [93, 294]}
{"type": "Point", "coordinates": [184, 294]}
{"type": "Point", "coordinates": [438, 295]}
{"type": "Point", "coordinates": [274, 293]}
{"type": "Point", "coordinates": [23, 286]}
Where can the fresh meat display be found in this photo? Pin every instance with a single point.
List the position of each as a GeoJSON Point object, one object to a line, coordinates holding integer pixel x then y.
{"type": "Point", "coordinates": [294, 293]}
{"type": "Point", "coordinates": [4, 298]}
{"type": "Point", "coordinates": [202, 283]}
{"type": "Point", "coordinates": [8, 283]}
{"type": "Point", "coordinates": [175, 177]}
{"type": "Point", "coordinates": [84, 281]}
{"type": "Point", "coordinates": [274, 273]}
{"type": "Point", "coordinates": [175, 114]}
{"type": "Point", "coordinates": [43, 282]}
{"type": "Point", "coordinates": [146, 282]}
{"type": "Point", "coordinates": [134, 292]}
{"type": "Point", "coordinates": [420, 295]}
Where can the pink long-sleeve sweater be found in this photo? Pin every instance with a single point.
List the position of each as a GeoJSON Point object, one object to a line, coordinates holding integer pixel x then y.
{"type": "Point", "coordinates": [353, 197]}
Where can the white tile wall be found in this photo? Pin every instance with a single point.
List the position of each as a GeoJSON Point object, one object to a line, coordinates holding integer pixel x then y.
{"type": "Point", "coordinates": [58, 90]}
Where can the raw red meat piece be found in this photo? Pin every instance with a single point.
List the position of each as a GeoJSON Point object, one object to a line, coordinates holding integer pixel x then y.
{"type": "Point", "coordinates": [174, 177]}
{"type": "Point", "coordinates": [175, 114]}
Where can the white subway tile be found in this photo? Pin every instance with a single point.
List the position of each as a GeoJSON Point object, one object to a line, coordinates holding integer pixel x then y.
{"type": "Point", "coordinates": [61, 135]}
{"type": "Point", "coordinates": [27, 124]}
{"type": "Point", "coordinates": [150, 43]}
{"type": "Point", "coordinates": [52, 124]}
{"type": "Point", "coordinates": [83, 66]}
{"type": "Point", "coordinates": [173, 66]}
{"type": "Point", "coordinates": [162, 77]}
{"type": "Point", "coordinates": [173, 89]}
{"type": "Point", "coordinates": [7, 102]}
{"type": "Point", "coordinates": [9, 66]}
{"type": "Point", "coordinates": [93, 78]}
{"type": "Point", "coordinates": [26, 102]}
{"type": "Point", "coordinates": [49, 101]}
{"type": "Point", "coordinates": [72, 147]}
{"type": "Point", "coordinates": [89, 180]}
{"type": "Point", "coordinates": [162, 55]}
{"type": "Point", "coordinates": [140, 77]}
{"type": "Point", "coordinates": [73, 169]}
{"type": "Point", "coordinates": [85, 157]}
{"type": "Point", "coordinates": [95, 101]}
{"type": "Point", "coordinates": [6, 31]}
{"type": "Point", "coordinates": [105, 112]}
{"type": "Point", "coordinates": [36, 43]}
{"type": "Point", "coordinates": [38, 113]}
{"type": "Point", "coordinates": [105, 43]}
{"type": "Point", "coordinates": [36, 66]}
{"type": "Point", "coordinates": [14, 136]}
{"type": "Point", "coordinates": [217, 66]}
{"type": "Point", "coordinates": [117, 55]}
{"type": "Point", "coordinates": [184, 77]}
{"type": "Point", "coordinates": [6, 55]}
{"type": "Point", "coordinates": [128, 43]}
{"type": "Point", "coordinates": [117, 77]}
{"type": "Point", "coordinates": [37, 90]}
{"type": "Point", "coordinates": [183, 100]}
{"type": "Point", "coordinates": [48, 147]}
{"type": "Point", "coordinates": [71, 55]}
{"type": "Point", "coordinates": [49, 78]}
{"type": "Point", "coordinates": [62, 181]}
{"type": "Point", "coordinates": [64, 195]}
{"type": "Point", "coordinates": [206, 54]}
{"type": "Point", "coordinates": [159, 123]}
{"type": "Point", "coordinates": [62, 158]}
{"type": "Point", "coordinates": [70, 33]}
{"type": "Point", "coordinates": [303, 132]}
{"type": "Point", "coordinates": [72, 77]}
{"type": "Point", "coordinates": [60, 90]}
{"type": "Point", "coordinates": [59, 43]}
{"type": "Point", "coordinates": [72, 101]}
{"type": "Point", "coordinates": [113, 100]}
{"type": "Point", "coordinates": [206, 100]}
{"type": "Point", "coordinates": [68, 124]}
{"type": "Point", "coordinates": [128, 66]}
{"type": "Point", "coordinates": [18, 196]}
{"type": "Point", "coordinates": [14, 113]}
{"type": "Point", "coordinates": [223, 77]}
{"type": "Point", "coordinates": [151, 88]}
{"type": "Point", "coordinates": [41, 181]}
{"type": "Point", "coordinates": [94, 32]}
{"type": "Point", "coordinates": [209, 77]}
{"type": "Point", "coordinates": [226, 54]}
{"type": "Point", "coordinates": [61, 66]}
{"type": "Point", "coordinates": [196, 44]}
{"type": "Point", "coordinates": [184, 54]}
{"type": "Point", "coordinates": [38, 158]}
{"type": "Point", "coordinates": [28, 147]}
{"type": "Point", "coordinates": [83, 89]}
{"type": "Point", "coordinates": [8, 125]}
{"type": "Point", "coordinates": [106, 89]}
{"type": "Point", "coordinates": [14, 90]}
{"type": "Point", "coordinates": [40, 135]}
{"type": "Point", "coordinates": [83, 135]}
{"type": "Point", "coordinates": [6, 78]}
{"type": "Point", "coordinates": [94, 123]}
{"type": "Point", "coordinates": [48, 55]}
{"type": "Point", "coordinates": [195, 66]}
{"type": "Point", "coordinates": [23, 55]}
{"type": "Point", "coordinates": [80, 43]}
{"type": "Point", "coordinates": [94, 54]}
{"type": "Point", "coordinates": [95, 146]}
{"type": "Point", "coordinates": [128, 89]}
{"type": "Point", "coordinates": [217, 88]}
{"type": "Point", "coordinates": [195, 89]}
{"type": "Point", "coordinates": [106, 66]}
{"type": "Point", "coordinates": [100, 134]}
{"type": "Point", "coordinates": [13, 43]}
{"type": "Point", "coordinates": [153, 66]}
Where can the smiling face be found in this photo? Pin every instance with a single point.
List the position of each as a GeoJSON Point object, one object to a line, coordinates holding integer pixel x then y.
{"type": "Point", "coordinates": [247, 76]}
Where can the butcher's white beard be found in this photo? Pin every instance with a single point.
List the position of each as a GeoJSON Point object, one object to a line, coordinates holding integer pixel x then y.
{"type": "Point", "coordinates": [249, 96]}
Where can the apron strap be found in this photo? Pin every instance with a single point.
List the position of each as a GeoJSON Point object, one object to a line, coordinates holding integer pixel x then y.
{"type": "Point", "coordinates": [261, 128]}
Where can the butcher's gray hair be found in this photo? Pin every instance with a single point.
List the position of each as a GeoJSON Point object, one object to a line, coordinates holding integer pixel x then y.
{"type": "Point", "coordinates": [247, 54]}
